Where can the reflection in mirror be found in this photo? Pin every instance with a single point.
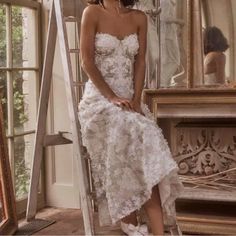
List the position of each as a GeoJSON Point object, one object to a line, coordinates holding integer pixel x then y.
{"type": "Point", "coordinates": [173, 43]}
{"type": "Point", "coordinates": [218, 42]}
{"type": "Point", "coordinates": [215, 45]}
{"type": "Point", "coordinates": [167, 42]}
{"type": "Point", "coordinates": [152, 10]}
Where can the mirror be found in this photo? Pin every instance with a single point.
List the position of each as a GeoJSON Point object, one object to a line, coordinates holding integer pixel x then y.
{"type": "Point", "coordinates": [218, 19]}
{"type": "Point", "coordinates": [189, 45]}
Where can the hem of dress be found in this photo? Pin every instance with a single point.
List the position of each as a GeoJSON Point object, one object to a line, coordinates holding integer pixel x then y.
{"type": "Point", "coordinates": [148, 193]}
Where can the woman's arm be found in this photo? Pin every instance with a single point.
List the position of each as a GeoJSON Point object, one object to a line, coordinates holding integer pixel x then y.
{"type": "Point", "coordinates": [88, 30]}
{"type": "Point", "coordinates": [140, 62]}
{"type": "Point", "coordinates": [87, 48]}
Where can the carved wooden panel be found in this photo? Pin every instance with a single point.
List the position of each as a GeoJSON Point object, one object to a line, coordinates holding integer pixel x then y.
{"type": "Point", "coordinates": [206, 157]}
{"type": "Point", "coordinates": [205, 151]}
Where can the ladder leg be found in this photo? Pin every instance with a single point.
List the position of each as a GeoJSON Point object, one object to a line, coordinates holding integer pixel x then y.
{"type": "Point", "coordinates": [75, 126]}
{"type": "Point", "coordinates": [175, 230]}
{"type": "Point", "coordinates": [41, 117]}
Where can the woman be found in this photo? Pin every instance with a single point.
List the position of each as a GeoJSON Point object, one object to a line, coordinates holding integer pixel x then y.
{"type": "Point", "coordinates": [130, 159]}
{"type": "Point", "coordinates": [215, 44]}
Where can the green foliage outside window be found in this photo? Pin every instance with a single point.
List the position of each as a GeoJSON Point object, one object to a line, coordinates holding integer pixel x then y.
{"type": "Point", "coordinates": [21, 171]}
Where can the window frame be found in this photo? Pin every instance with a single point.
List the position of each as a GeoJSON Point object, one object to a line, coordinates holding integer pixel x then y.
{"type": "Point", "coordinates": [21, 204]}
{"type": "Point", "coordinates": [8, 224]}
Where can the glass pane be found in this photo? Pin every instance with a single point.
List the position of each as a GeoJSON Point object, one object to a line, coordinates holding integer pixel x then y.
{"type": "Point", "coordinates": [25, 101]}
{"type": "Point", "coordinates": [23, 148]}
{"type": "Point", "coordinates": [173, 43]}
{"type": "Point", "coordinates": [24, 37]}
{"type": "Point", "coordinates": [2, 35]}
{"type": "Point", "coordinates": [3, 95]}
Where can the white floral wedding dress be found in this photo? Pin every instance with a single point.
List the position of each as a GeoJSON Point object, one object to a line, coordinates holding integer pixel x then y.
{"type": "Point", "coordinates": [128, 152]}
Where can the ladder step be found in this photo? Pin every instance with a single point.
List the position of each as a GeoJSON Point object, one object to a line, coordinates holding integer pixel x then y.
{"type": "Point", "coordinates": [74, 51]}
{"type": "Point", "coordinates": [57, 139]}
{"type": "Point", "coordinates": [66, 135]}
{"type": "Point", "coordinates": [71, 19]}
{"type": "Point", "coordinates": [79, 83]}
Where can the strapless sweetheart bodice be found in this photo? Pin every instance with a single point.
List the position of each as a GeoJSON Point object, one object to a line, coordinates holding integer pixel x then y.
{"type": "Point", "coordinates": [115, 58]}
{"type": "Point", "coordinates": [108, 44]}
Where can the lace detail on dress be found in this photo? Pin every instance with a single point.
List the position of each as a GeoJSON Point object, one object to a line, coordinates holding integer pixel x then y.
{"type": "Point", "coordinates": [115, 58]}
{"type": "Point", "coordinates": [129, 154]}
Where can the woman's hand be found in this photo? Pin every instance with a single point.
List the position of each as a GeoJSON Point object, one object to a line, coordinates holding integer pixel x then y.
{"type": "Point", "coordinates": [121, 102]}
{"type": "Point", "coordinates": [126, 104]}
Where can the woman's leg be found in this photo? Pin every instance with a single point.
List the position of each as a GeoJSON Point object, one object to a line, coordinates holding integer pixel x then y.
{"type": "Point", "coordinates": [154, 212]}
{"type": "Point", "coordinates": [131, 219]}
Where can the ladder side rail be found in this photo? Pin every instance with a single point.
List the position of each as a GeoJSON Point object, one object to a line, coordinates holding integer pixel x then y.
{"type": "Point", "coordinates": [72, 107]}
{"type": "Point", "coordinates": [77, 80]}
{"type": "Point", "coordinates": [80, 91]}
{"type": "Point", "coordinates": [81, 75]}
{"type": "Point", "coordinates": [42, 116]}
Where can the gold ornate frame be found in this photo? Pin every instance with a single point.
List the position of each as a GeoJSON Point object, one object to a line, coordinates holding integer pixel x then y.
{"type": "Point", "coordinates": [194, 41]}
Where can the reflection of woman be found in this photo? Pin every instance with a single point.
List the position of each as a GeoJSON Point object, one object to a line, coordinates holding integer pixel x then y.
{"type": "Point", "coordinates": [215, 44]}
{"type": "Point", "coordinates": [131, 161]}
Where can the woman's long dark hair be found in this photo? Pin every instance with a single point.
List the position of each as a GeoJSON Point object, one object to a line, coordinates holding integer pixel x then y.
{"type": "Point", "coordinates": [214, 40]}
{"type": "Point", "coordinates": [126, 3]}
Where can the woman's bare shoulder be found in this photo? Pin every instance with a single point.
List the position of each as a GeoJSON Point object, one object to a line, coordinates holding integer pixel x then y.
{"type": "Point", "coordinates": [92, 11]}
{"type": "Point", "coordinates": [220, 58]}
{"type": "Point", "coordinates": [139, 16]}
{"type": "Point", "coordinates": [215, 55]}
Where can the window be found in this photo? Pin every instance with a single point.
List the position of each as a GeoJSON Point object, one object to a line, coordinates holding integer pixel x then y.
{"type": "Point", "coordinates": [19, 85]}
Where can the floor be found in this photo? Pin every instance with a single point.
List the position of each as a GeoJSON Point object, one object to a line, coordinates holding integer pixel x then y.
{"type": "Point", "coordinates": [69, 222]}
{"type": "Point", "coordinates": [194, 218]}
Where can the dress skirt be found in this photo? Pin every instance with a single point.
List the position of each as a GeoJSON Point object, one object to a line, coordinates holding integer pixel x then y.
{"type": "Point", "coordinates": [129, 156]}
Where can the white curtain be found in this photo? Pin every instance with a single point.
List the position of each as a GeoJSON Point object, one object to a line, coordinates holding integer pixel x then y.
{"type": "Point", "coordinates": [152, 43]}
{"type": "Point", "coordinates": [170, 50]}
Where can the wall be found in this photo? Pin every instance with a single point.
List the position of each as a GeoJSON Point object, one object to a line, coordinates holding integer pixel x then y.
{"type": "Point", "coordinates": [61, 176]}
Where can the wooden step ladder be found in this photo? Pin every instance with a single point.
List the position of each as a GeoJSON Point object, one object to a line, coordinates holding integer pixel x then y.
{"type": "Point", "coordinates": [57, 27]}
